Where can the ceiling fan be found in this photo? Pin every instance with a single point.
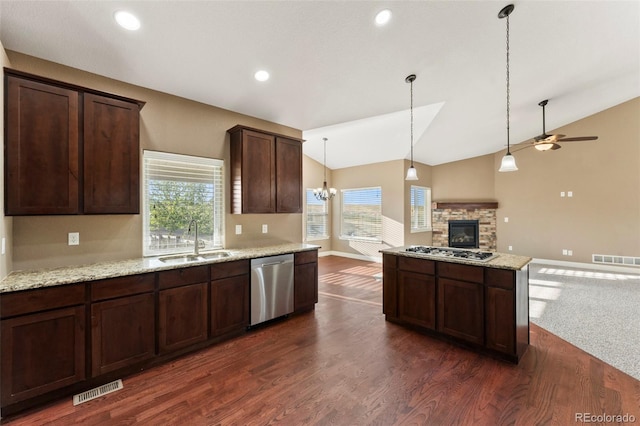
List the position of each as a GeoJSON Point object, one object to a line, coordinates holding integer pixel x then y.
{"type": "Point", "coordinates": [545, 142]}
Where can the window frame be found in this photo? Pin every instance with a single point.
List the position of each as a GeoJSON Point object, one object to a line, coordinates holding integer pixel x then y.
{"type": "Point", "coordinates": [343, 236]}
{"type": "Point", "coordinates": [217, 202]}
{"type": "Point", "coordinates": [427, 207]}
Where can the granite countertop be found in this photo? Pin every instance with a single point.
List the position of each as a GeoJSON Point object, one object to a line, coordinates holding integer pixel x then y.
{"type": "Point", "coordinates": [502, 261]}
{"type": "Point", "coordinates": [26, 280]}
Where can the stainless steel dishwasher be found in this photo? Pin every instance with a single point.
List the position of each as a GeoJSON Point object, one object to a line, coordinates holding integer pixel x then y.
{"type": "Point", "coordinates": [271, 287]}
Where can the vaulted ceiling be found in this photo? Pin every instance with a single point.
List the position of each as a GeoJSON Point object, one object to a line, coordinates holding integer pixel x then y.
{"type": "Point", "coordinates": [336, 74]}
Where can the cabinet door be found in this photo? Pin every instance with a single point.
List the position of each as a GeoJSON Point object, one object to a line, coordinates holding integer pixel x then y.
{"type": "Point", "coordinates": [417, 299]}
{"type": "Point", "coordinates": [182, 316]}
{"type": "Point", "coordinates": [305, 286]}
{"type": "Point", "coordinates": [122, 332]}
{"type": "Point", "coordinates": [461, 309]}
{"type": "Point", "coordinates": [42, 352]}
{"type": "Point", "coordinates": [258, 173]}
{"type": "Point", "coordinates": [500, 320]}
{"type": "Point", "coordinates": [41, 149]}
{"type": "Point", "coordinates": [288, 176]}
{"type": "Point", "coordinates": [389, 286]}
{"type": "Point", "coordinates": [111, 155]}
{"type": "Point", "coordinates": [229, 304]}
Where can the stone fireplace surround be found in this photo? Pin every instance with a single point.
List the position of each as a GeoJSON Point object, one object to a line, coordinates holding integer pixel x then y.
{"type": "Point", "coordinates": [482, 211]}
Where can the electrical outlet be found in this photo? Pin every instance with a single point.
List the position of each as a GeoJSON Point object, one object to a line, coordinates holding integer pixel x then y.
{"type": "Point", "coordinates": [564, 252]}
{"type": "Point", "coordinates": [562, 194]}
{"type": "Point", "coordinates": [506, 219]}
{"type": "Point", "coordinates": [510, 248]}
{"type": "Point", "coordinates": [569, 252]}
{"type": "Point", "coordinates": [74, 238]}
{"type": "Point", "coordinates": [570, 194]}
{"type": "Point", "coordinates": [4, 245]}
{"type": "Point", "coordinates": [265, 229]}
{"type": "Point", "coordinates": [238, 229]}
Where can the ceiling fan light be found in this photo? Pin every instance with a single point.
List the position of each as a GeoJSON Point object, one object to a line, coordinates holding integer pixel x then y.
{"type": "Point", "coordinates": [508, 164]}
{"type": "Point", "coordinates": [544, 146]}
{"type": "Point", "coordinates": [412, 173]}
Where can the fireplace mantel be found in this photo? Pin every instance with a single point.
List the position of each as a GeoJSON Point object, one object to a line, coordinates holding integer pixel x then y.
{"type": "Point", "coordinates": [465, 205]}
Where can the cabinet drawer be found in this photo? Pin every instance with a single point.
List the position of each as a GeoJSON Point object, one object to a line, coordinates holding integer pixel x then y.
{"type": "Point", "coordinates": [412, 264]}
{"type": "Point", "coordinates": [182, 276]}
{"type": "Point", "coordinates": [499, 278]}
{"type": "Point", "coordinates": [306, 257]}
{"type": "Point", "coordinates": [461, 272]}
{"type": "Point", "coordinates": [122, 286]}
{"type": "Point", "coordinates": [229, 269]}
{"type": "Point", "coordinates": [25, 302]}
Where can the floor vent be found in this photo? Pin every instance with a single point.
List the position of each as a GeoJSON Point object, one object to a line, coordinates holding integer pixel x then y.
{"type": "Point", "coordinates": [97, 392]}
{"type": "Point", "coordinates": [616, 260]}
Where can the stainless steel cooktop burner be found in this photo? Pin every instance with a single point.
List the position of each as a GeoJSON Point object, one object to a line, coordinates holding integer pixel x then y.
{"type": "Point", "coordinates": [477, 256]}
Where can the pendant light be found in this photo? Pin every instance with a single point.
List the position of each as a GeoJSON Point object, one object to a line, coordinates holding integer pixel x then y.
{"type": "Point", "coordinates": [508, 163]}
{"type": "Point", "coordinates": [324, 193]}
{"type": "Point", "coordinates": [412, 173]}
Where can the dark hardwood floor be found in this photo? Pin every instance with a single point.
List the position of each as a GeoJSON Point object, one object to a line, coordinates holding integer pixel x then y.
{"type": "Point", "coordinates": [343, 364]}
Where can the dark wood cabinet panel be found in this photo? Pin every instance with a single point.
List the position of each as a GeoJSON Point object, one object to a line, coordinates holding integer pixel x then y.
{"type": "Point", "coordinates": [421, 266]}
{"type": "Point", "coordinates": [288, 176]}
{"type": "Point", "coordinates": [389, 286]}
{"type": "Point", "coordinates": [183, 276]}
{"type": "Point", "coordinates": [500, 319]}
{"type": "Point", "coordinates": [121, 286]}
{"type": "Point", "coordinates": [122, 333]}
{"type": "Point", "coordinates": [230, 269]}
{"type": "Point", "coordinates": [417, 299]}
{"type": "Point", "coordinates": [457, 271]}
{"type": "Point", "coordinates": [182, 316]}
{"type": "Point", "coordinates": [305, 286]}
{"type": "Point", "coordinates": [111, 155]}
{"type": "Point", "coordinates": [41, 299]}
{"type": "Point", "coordinates": [42, 148]}
{"type": "Point", "coordinates": [461, 309]}
{"type": "Point", "coordinates": [266, 172]}
{"type": "Point", "coordinates": [229, 304]}
{"type": "Point", "coordinates": [41, 353]}
{"type": "Point", "coordinates": [70, 150]}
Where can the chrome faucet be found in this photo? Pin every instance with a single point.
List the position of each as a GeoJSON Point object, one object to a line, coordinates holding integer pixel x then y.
{"type": "Point", "coordinates": [196, 249]}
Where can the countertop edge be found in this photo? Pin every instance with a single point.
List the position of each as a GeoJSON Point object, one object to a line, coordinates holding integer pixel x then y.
{"type": "Point", "coordinates": [28, 280]}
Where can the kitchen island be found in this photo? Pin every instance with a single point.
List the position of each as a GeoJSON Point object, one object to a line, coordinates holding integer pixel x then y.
{"type": "Point", "coordinates": [482, 305]}
{"type": "Point", "coordinates": [70, 329]}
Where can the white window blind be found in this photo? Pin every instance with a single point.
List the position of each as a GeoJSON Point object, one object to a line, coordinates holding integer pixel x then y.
{"type": "Point", "coordinates": [177, 189]}
{"type": "Point", "coordinates": [362, 214]}
{"type": "Point", "coordinates": [420, 208]}
{"type": "Point", "coordinates": [317, 217]}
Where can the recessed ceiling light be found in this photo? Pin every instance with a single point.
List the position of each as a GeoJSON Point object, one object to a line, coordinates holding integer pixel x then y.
{"type": "Point", "coordinates": [127, 20]}
{"type": "Point", "coordinates": [383, 17]}
{"type": "Point", "coordinates": [261, 75]}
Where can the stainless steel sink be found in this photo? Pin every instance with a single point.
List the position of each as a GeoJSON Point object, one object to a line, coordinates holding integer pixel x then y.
{"type": "Point", "coordinates": [186, 258]}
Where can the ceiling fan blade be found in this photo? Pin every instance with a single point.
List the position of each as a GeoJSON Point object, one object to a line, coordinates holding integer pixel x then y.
{"type": "Point", "coordinates": [555, 146]}
{"type": "Point", "coordinates": [578, 139]}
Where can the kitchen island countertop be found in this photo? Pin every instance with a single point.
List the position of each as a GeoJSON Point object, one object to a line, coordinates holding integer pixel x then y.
{"type": "Point", "coordinates": [27, 280]}
{"type": "Point", "coordinates": [502, 261]}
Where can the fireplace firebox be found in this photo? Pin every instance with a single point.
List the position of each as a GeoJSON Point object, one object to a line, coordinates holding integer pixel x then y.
{"type": "Point", "coordinates": [464, 233]}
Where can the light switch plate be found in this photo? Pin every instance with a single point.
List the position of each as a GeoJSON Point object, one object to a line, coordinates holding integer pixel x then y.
{"type": "Point", "coordinates": [265, 229]}
{"type": "Point", "coordinates": [74, 238]}
{"type": "Point", "coordinates": [238, 229]}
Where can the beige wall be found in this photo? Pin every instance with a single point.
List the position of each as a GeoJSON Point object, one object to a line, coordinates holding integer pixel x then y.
{"type": "Point", "coordinates": [466, 180]}
{"type": "Point", "coordinates": [167, 123]}
{"type": "Point", "coordinates": [6, 264]}
{"type": "Point", "coordinates": [602, 217]}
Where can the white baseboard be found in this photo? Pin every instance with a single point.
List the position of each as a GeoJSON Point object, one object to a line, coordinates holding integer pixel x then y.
{"type": "Point", "coordinates": [350, 256]}
{"type": "Point", "coordinates": [580, 265]}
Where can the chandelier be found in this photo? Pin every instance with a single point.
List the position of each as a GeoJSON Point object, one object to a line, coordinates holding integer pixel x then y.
{"type": "Point", "coordinates": [324, 193]}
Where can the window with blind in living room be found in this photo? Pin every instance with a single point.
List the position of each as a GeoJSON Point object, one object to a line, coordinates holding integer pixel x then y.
{"type": "Point", "coordinates": [361, 217]}
{"type": "Point", "coordinates": [420, 208]}
{"type": "Point", "coordinates": [317, 217]}
{"type": "Point", "coordinates": [178, 189]}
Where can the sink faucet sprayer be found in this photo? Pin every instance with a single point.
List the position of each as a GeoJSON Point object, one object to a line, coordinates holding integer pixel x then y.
{"type": "Point", "coordinates": [196, 249]}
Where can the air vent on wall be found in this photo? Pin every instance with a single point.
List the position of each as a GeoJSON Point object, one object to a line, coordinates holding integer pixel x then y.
{"type": "Point", "coordinates": [616, 260]}
{"type": "Point", "coordinates": [97, 392]}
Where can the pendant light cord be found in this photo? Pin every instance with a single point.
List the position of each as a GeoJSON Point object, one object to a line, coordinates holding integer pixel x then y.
{"type": "Point", "coordinates": [411, 123]}
{"type": "Point", "coordinates": [325, 159]}
{"type": "Point", "coordinates": [508, 103]}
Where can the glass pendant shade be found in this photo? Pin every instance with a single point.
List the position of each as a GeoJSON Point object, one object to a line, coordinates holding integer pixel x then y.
{"type": "Point", "coordinates": [508, 163]}
{"type": "Point", "coordinates": [412, 173]}
{"type": "Point", "coordinates": [544, 146]}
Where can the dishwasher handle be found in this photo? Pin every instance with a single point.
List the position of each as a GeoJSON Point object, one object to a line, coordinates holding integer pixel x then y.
{"type": "Point", "coordinates": [272, 263]}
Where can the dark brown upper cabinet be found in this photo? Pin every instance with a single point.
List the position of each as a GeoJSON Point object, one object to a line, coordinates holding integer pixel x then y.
{"type": "Point", "coordinates": [266, 172]}
{"type": "Point", "coordinates": [69, 149]}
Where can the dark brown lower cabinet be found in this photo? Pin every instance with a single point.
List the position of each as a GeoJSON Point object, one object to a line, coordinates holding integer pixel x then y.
{"type": "Point", "coordinates": [182, 316]}
{"type": "Point", "coordinates": [461, 310]}
{"type": "Point", "coordinates": [417, 299]}
{"type": "Point", "coordinates": [305, 280]}
{"type": "Point", "coordinates": [122, 332]}
{"type": "Point", "coordinates": [229, 304]}
{"type": "Point", "coordinates": [42, 352]}
{"type": "Point", "coordinates": [500, 319]}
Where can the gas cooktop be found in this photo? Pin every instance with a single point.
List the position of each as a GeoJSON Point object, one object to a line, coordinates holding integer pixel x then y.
{"type": "Point", "coordinates": [450, 252]}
